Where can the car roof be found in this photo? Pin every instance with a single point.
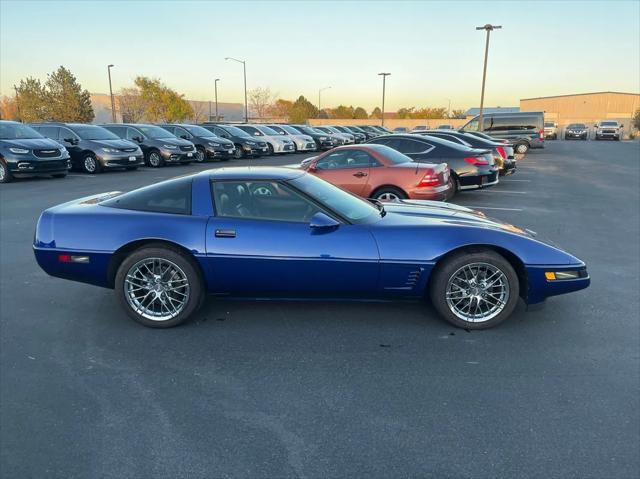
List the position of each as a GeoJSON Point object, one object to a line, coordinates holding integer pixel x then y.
{"type": "Point", "coordinates": [253, 173]}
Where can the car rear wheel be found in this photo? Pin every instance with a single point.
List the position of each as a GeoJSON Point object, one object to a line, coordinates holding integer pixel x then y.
{"type": "Point", "coordinates": [201, 155]}
{"type": "Point", "coordinates": [154, 159]}
{"type": "Point", "coordinates": [159, 287]}
{"type": "Point", "coordinates": [91, 165]}
{"type": "Point", "coordinates": [5, 174]}
{"type": "Point", "coordinates": [476, 290]}
{"type": "Point", "coordinates": [522, 148]}
{"type": "Point", "coordinates": [389, 193]}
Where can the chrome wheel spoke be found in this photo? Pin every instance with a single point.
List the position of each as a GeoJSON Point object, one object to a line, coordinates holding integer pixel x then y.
{"type": "Point", "coordinates": [157, 289]}
{"type": "Point", "coordinates": [477, 292]}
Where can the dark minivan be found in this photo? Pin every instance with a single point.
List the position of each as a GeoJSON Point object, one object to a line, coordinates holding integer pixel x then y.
{"type": "Point", "coordinates": [208, 145]}
{"type": "Point", "coordinates": [158, 145]}
{"type": "Point", "coordinates": [523, 130]}
{"type": "Point", "coordinates": [25, 152]}
{"type": "Point", "coordinates": [246, 145]}
{"type": "Point", "coordinates": [92, 148]}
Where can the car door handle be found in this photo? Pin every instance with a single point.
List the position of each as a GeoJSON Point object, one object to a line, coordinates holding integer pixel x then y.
{"type": "Point", "coordinates": [359, 174]}
{"type": "Point", "coordinates": [225, 233]}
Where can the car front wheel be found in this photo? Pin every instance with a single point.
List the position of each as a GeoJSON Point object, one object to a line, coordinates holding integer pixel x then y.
{"type": "Point", "coordinates": [159, 287]}
{"type": "Point", "coordinates": [5, 174]}
{"type": "Point", "coordinates": [522, 148]}
{"type": "Point", "coordinates": [475, 290]}
{"type": "Point", "coordinates": [201, 155]}
{"type": "Point", "coordinates": [154, 159]}
{"type": "Point", "coordinates": [91, 165]}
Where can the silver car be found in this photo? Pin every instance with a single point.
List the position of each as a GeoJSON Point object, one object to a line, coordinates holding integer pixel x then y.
{"type": "Point", "coordinates": [301, 142]}
{"type": "Point", "coordinates": [348, 138]}
{"type": "Point", "coordinates": [276, 143]}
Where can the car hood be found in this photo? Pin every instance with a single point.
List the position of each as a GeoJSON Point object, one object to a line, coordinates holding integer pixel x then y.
{"type": "Point", "coordinates": [215, 139]}
{"type": "Point", "coordinates": [173, 141]}
{"type": "Point", "coordinates": [115, 143]}
{"type": "Point", "coordinates": [31, 143]}
{"type": "Point", "coordinates": [422, 212]}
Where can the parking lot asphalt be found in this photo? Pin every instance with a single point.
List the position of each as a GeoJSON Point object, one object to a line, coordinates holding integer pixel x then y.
{"type": "Point", "coordinates": [334, 389]}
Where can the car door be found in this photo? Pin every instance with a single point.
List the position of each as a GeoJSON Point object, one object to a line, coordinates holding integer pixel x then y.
{"type": "Point", "coordinates": [260, 242]}
{"type": "Point", "coordinates": [71, 142]}
{"type": "Point", "coordinates": [348, 169]}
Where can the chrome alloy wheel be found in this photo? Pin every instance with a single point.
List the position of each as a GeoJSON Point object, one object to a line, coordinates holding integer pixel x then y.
{"type": "Point", "coordinates": [90, 164]}
{"type": "Point", "coordinates": [389, 197]}
{"type": "Point", "coordinates": [154, 159]}
{"type": "Point", "coordinates": [156, 289]}
{"type": "Point", "coordinates": [2, 172]}
{"type": "Point", "coordinates": [477, 292]}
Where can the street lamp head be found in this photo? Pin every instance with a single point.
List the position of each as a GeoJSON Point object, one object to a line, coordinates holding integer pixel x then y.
{"type": "Point", "coordinates": [109, 66]}
{"type": "Point", "coordinates": [384, 74]}
{"type": "Point", "coordinates": [489, 27]}
{"type": "Point", "coordinates": [217, 79]}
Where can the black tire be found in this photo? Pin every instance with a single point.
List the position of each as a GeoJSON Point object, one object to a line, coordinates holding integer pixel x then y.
{"type": "Point", "coordinates": [239, 153]}
{"type": "Point", "coordinates": [390, 193]}
{"type": "Point", "coordinates": [521, 148]}
{"type": "Point", "coordinates": [60, 175]}
{"type": "Point", "coordinates": [5, 174]}
{"type": "Point", "coordinates": [454, 183]}
{"type": "Point", "coordinates": [154, 159]}
{"type": "Point", "coordinates": [188, 267]}
{"type": "Point", "coordinates": [90, 164]}
{"type": "Point", "coordinates": [295, 147]}
{"type": "Point", "coordinates": [201, 154]}
{"type": "Point", "coordinates": [270, 148]}
{"type": "Point", "coordinates": [447, 269]}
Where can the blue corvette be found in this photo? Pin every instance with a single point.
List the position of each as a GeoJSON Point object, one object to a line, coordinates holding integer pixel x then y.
{"type": "Point", "coordinates": [282, 233]}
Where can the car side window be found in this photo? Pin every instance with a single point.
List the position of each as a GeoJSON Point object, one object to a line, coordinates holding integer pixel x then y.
{"type": "Point", "coordinates": [261, 200]}
{"type": "Point", "coordinates": [181, 132]}
{"type": "Point", "coordinates": [171, 129]}
{"type": "Point", "coordinates": [173, 197]}
{"type": "Point", "coordinates": [220, 132]}
{"type": "Point", "coordinates": [66, 134]}
{"type": "Point", "coordinates": [346, 159]}
{"type": "Point", "coordinates": [49, 132]}
{"type": "Point", "coordinates": [132, 133]}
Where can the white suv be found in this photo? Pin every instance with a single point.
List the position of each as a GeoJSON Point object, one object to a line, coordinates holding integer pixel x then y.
{"type": "Point", "coordinates": [608, 129]}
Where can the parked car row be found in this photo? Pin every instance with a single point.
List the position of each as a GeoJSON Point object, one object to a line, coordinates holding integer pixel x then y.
{"type": "Point", "coordinates": [605, 129]}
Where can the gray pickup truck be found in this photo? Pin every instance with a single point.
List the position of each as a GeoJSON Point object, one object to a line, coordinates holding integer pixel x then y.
{"type": "Point", "coordinates": [608, 129]}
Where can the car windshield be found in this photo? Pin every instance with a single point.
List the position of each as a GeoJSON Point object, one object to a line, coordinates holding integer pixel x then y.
{"type": "Point", "coordinates": [154, 132]}
{"type": "Point", "coordinates": [198, 131]}
{"type": "Point", "coordinates": [17, 131]}
{"type": "Point", "coordinates": [289, 129]}
{"type": "Point", "coordinates": [310, 131]}
{"type": "Point", "coordinates": [349, 206]}
{"type": "Point", "coordinates": [609, 123]}
{"type": "Point", "coordinates": [279, 130]}
{"type": "Point", "coordinates": [577, 125]}
{"type": "Point", "coordinates": [548, 124]}
{"type": "Point", "coordinates": [267, 131]}
{"type": "Point", "coordinates": [252, 131]}
{"type": "Point", "coordinates": [235, 131]}
{"type": "Point", "coordinates": [89, 132]}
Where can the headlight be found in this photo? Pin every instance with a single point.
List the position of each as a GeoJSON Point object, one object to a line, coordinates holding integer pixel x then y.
{"type": "Point", "coordinates": [19, 151]}
{"type": "Point", "coordinates": [170, 147]}
{"type": "Point", "coordinates": [252, 143]}
{"type": "Point", "coordinates": [63, 150]}
{"type": "Point", "coordinates": [323, 138]}
{"type": "Point", "coordinates": [109, 150]}
{"type": "Point", "coordinates": [213, 144]}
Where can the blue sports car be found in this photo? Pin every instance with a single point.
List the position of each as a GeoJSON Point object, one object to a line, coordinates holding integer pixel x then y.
{"type": "Point", "coordinates": [282, 233]}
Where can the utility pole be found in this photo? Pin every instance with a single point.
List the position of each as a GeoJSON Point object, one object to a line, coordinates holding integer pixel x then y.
{"type": "Point", "coordinates": [113, 103]}
{"type": "Point", "coordinates": [488, 28]}
{"type": "Point", "coordinates": [384, 78]}
{"type": "Point", "coordinates": [215, 86]}
{"type": "Point", "coordinates": [17, 103]}
{"type": "Point", "coordinates": [244, 67]}
{"type": "Point", "coordinates": [319, 103]}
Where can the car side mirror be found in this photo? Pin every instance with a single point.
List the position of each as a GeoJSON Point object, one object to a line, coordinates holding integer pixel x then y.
{"type": "Point", "coordinates": [322, 222]}
{"type": "Point", "coordinates": [73, 141]}
{"type": "Point", "coordinates": [138, 139]}
{"type": "Point", "coordinates": [184, 137]}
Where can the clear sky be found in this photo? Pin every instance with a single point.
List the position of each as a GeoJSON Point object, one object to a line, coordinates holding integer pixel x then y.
{"type": "Point", "coordinates": [431, 48]}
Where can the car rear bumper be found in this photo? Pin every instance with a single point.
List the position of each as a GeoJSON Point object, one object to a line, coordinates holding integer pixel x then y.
{"type": "Point", "coordinates": [437, 193]}
{"type": "Point", "coordinates": [473, 182]}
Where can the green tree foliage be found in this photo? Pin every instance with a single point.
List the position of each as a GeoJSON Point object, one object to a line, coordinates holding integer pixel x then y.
{"type": "Point", "coordinates": [66, 99]}
{"type": "Point", "coordinates": [360, 113]}
{"type": "Point", "coordinates": [281, 108]}
{"type": "Point", "coordinates": [31, 101]}
{"type": "Point", "coordinates": [458, 114]}
{"type": "Point", "coordinates": [422, 113]}
{"type": "Point", "coordinates": [323, 114]}
{"type": "Point", "coordinates": [342, 112]}
{"type": "Point", "coordinates": [635, 121]}
{"type": "Point", "coordinates": [376, 113]}
{"type": "Point", "coordinates": [302, 110]}
{"type": "Point", "coordinates": [153, 101]}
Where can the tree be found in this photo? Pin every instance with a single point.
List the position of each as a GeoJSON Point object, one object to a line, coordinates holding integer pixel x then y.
{"type": "Point", "coordinates": [458, 114]}
{"type": "Point", "coordinates": [635, 120]}
{"type": "Point", "coordinates": [404, 112]}
{"type": "Point", "coordinates": [323, 114]}
{"type": "Point", "coordinates": [360, 113]}
{"type": "Point", "coordinates": [280, 108]}
{"type": "Point", "coordinates": [302, 110]}
{"type": "Point", "coordinates": [260, 100]}
{"type": "Point", "coordinates": [31, 101]}
{"type": "Point", "coordinates": [376, 113]}
{"type": "Point", "coordinates": [66, 100]}
{"type": "Point", "coordinates": [342, 112]}
{"type": "Point", "coordinates": [132, 106]}
{"type": "Point", "coordinates": [9, 108]}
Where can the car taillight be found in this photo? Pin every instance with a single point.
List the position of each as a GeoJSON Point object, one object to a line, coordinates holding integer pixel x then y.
{"type": "Point", "coordinates": [541, 133]}
{"type": "Point", "coordinates": [503, 153]}
{"type": "Point", "coordinates": [476, 160]}
{"type": "Point", "coordinates": [430, 179]}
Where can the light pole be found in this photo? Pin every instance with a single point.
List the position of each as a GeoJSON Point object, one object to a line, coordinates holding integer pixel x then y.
{"type": "Point", "coordinates": [215, 86]}
{"type": "Point", "coordinates": [244, 67]}
{"type": "Point", "coordinates": [488, 28]}
{"type": "Point", "coordinates": [113, 104]}
{"type": "Point", "coordinates": [384, 80]}
{"type": "Point", "coordinates": [320, 91]}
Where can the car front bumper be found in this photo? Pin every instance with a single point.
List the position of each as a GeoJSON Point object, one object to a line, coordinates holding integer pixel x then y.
{"type": "Point", "coordinates": [213, 153]}
{"type": "Point", "coordinates": [28, 165]}
{"type": "Point", "coordinates": [177, 156]}
{"type": "Point", "coordinates": [121, 161]}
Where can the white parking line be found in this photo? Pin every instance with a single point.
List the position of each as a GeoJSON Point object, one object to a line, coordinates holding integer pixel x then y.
{"type": "Point", "coordinates": [492, 208]}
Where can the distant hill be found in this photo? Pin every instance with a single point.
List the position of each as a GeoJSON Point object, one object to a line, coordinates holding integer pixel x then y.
{"type": "Point", "coordinates": [101, 104]}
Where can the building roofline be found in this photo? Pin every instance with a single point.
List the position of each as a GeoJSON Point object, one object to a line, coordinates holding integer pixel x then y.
{"type": "Point", "coordinates": [580, 94]}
